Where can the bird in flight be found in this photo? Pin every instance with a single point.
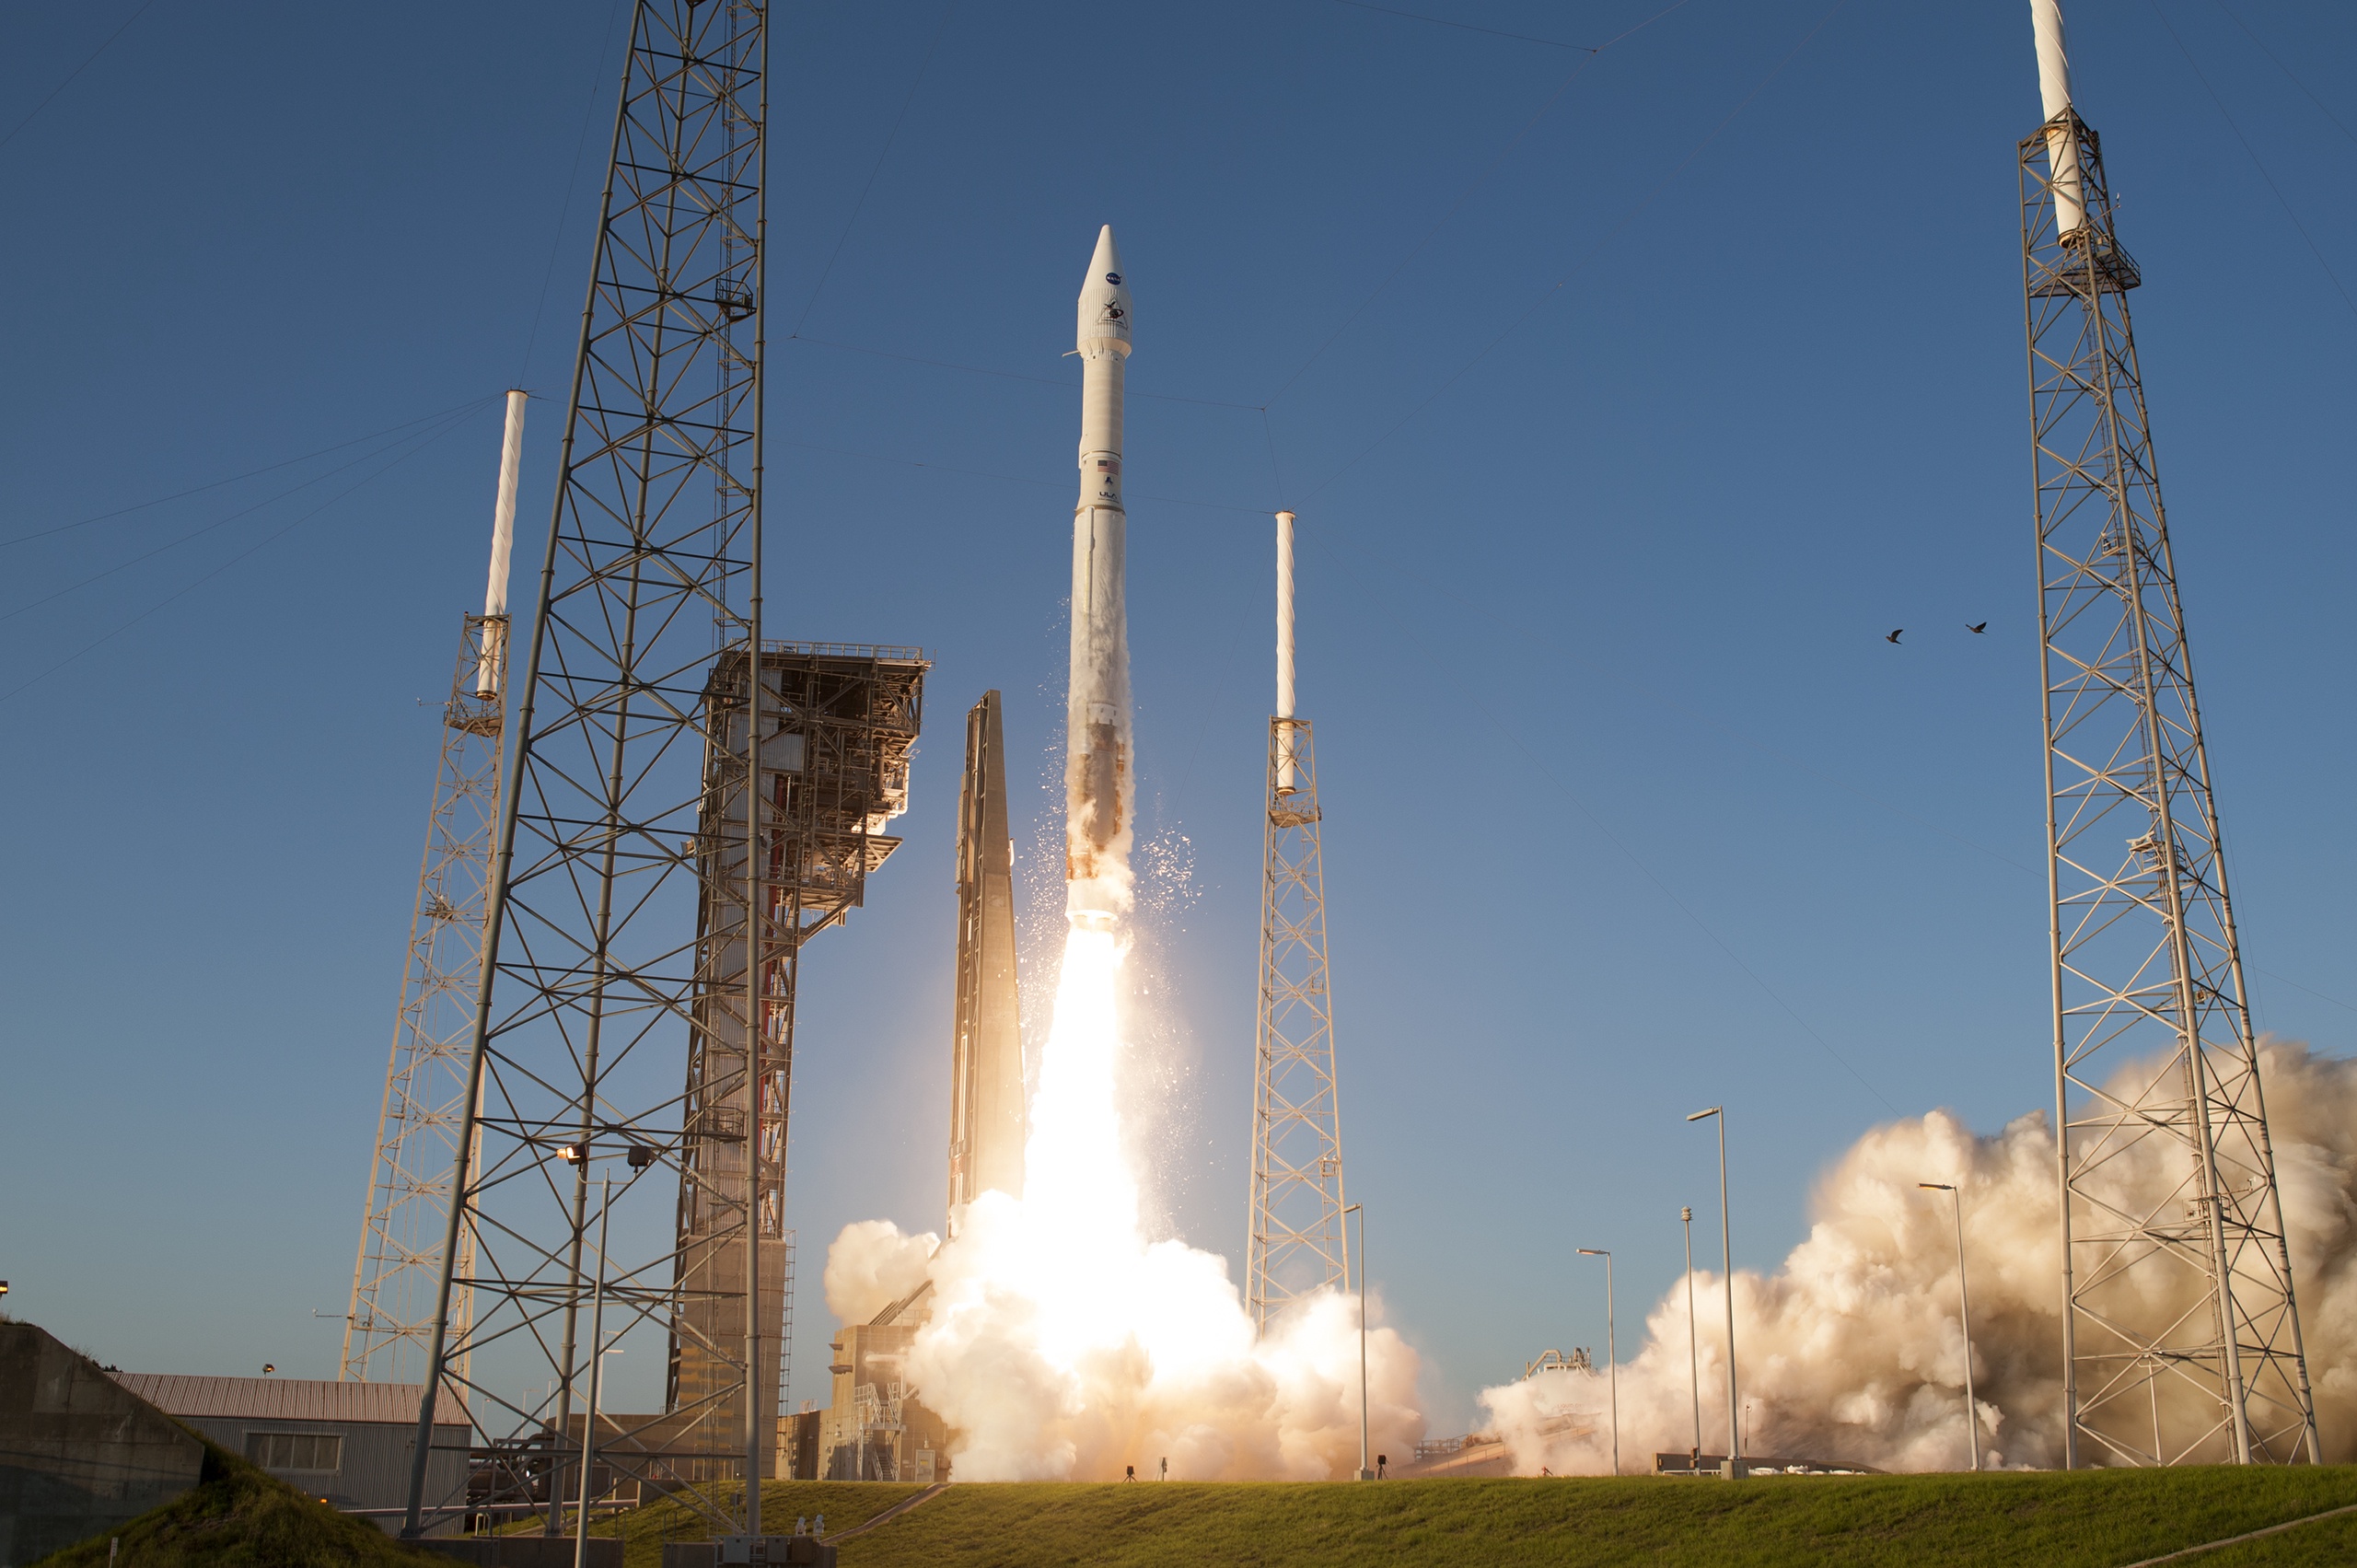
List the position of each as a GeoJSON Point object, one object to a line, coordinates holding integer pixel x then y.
{"type": "Point", "coordinates": [1894, 636]}
{"type": "Point", "coordinates": [1982, 627]}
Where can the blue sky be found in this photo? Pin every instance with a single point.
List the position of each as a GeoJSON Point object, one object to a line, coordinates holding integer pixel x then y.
{"type": "Point", "coordinates": [1626, 405]}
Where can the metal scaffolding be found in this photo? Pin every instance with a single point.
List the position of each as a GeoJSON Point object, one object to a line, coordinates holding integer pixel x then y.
{"type": "Point", "coordinates": [1296, 1241]}
{"type": "Point", "coordinates": [838, 722]}
{"type": "Point", "coordinates": [596, 971]}
{"type": "Point", "coordinates": [2180, 1337]}
{"type": "Point", "coordinates": [390, 1325]}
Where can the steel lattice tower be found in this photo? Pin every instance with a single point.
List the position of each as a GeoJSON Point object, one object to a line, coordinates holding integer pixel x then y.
{"type": "Point", "coordinates": [389, 1324]}
{"type": "Point", "coordinates": [388, 1330]}
{"type": "Point", "coordinates": [599, 980]}
{"type": "Point", "coordinates": [1296, 1241]}
{"type": "Point", "coordinates": [2181, 1339]}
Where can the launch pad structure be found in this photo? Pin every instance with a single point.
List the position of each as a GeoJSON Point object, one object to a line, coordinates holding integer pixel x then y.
{"type": "Point", "coordinates": [685, 804]}
{"type": "Point", "coordinates": [1296, 1244]}
{"type": "Point", "coordinates": [2181, 1333]}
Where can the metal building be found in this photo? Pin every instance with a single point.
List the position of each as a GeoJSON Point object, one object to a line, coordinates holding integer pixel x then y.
{"type": "Point", "coordinates": [349, 1443]}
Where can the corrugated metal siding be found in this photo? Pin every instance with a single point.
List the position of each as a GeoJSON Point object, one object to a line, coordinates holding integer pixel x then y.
{"type": "Point", "coordinates": [274, 1398]}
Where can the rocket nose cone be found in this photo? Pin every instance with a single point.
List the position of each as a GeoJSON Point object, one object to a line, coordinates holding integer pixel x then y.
{"type": "Point", "coordinates": [1108, 255]}
{"type": "Point", "coordinates": [1105, 296]}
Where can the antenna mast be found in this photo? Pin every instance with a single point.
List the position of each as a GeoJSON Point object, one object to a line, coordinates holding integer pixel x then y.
{"type": "Point", "coordinates": [2180, 1337]}
{"type": "Point", "coordinates": [1297, 1245]}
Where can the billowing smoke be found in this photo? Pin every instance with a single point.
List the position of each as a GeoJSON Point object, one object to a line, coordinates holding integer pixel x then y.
{"type": "Point", "coordinates": [1852, 1351]}
{"type": "Point", "coordinates": [1062, 1345]}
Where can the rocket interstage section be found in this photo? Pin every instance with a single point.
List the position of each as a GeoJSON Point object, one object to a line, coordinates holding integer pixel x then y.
{"type": "Point", "coordinates": [1098, 781]}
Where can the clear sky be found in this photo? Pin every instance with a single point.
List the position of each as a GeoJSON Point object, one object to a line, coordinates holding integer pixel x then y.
{"type": "Point", "coordinates": [1627, 402]}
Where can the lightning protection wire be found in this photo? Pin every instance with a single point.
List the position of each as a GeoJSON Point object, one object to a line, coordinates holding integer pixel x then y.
{"type": "Point", "coordinates": [564, 209]}
{"type": "Point", "coordinates": [250, 474]}
{"type": "Point", "coordinates": [1581, 265]}
{"type": "Point", "coordinates": [1463, 27]}
{"type": "Point", "coordinates": [427, 437]}
{"type": "Point", "coordinates": [861, 206]}
{"type": "Point", "coordinates": [1469, 192]}
{"type": "Point", "coordinates": [2162, 17]}
{"type": "Point", "coordinates": [92, 58]}
{"type": "Point", "coordinates": [189, 587]}
{"type": "Point", "coordinates": [2279, 65]}
{"type": "Point", "coordinates": [1009, 375]}
{"type": "Point", "coordinates": [1433, 660]}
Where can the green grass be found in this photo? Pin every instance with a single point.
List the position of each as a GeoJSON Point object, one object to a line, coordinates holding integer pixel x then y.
{"type": "Point", "coordinates": [239, 1516]}
{"type": "Point", "coordinates": [2088, 1519]}
{"type": "Point", "coordinates": [844, 1502]}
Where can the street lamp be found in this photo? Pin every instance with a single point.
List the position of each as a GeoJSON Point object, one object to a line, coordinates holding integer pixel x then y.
{"type": "Point", "coordinates": [1611, 1347]}
{"type": "Point", "coordinates": [1964, 1311]}
{"type": "Point", "coordinates": [1360, 1210]}
{"type": "Point", "coordinates": [640, 1156]}
{"type": "Point", "coordinates": [1693, 1351]}
{"type": "Point", "coordinates": [1727, 1257]}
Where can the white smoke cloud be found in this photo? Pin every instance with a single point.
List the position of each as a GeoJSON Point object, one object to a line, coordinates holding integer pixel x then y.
{"type": "Point", "coordinates": [872, 1265]}
{"type": "Point", "coordinates": [1060, 1343]}
{"type": "Point", "coordinates": [1852, 1351]}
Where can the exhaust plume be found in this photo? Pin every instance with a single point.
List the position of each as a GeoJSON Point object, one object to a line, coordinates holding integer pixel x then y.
{"type": "Point", "coordinates": [1852, 1351]}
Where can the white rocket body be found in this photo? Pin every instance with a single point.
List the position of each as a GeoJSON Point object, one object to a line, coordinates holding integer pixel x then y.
{"type": "Point", "coordinates": [492, 669]}
{"type": "Point", "coordinates": [2054, 96]}
{"type": "Point", "coordinates": [1099, 783]}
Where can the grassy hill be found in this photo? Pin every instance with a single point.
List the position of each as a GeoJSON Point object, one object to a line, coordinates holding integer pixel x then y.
{"type": "Point", "coordinates": [2089, 1519]}
{"type": "Point", "coordinates": [239, 1516]}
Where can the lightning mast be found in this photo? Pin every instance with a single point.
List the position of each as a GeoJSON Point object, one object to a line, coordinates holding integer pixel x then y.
{"type": "Point", "coordinates": [2180, 1335]}
{"type": "Point", "coordinates": [1297, 1245]}
{"type": "Point", "coordinates": [606, 960]}
{"type": "Point", "coordinates": [391, 1320]}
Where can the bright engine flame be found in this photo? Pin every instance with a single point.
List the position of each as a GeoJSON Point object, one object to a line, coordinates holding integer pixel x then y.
{"type": "Point", "coordinates": [1063, 1345]}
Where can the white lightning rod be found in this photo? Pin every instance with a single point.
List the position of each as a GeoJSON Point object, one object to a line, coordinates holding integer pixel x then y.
{"type": "Point", "coordinates": [2055, 97]}
{"type": "Point", "coordinates": [489, 673]}
{"type": "Point", "coordinates": [1284, 640]}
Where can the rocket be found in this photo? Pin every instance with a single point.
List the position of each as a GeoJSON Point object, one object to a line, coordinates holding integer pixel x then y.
{"type": "Point", "coordinates": [1098, 785]}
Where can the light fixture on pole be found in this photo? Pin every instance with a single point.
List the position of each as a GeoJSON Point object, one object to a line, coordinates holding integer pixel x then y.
{"type": "Point", "coordinates": [1964, 1311]}
{"type": "Point", "coordinates": [1611, 1347]}
{"type": "Point", "coordinates": [1693, 1349]}
{"type": "Point", "coordinates": [1726, 1256]}
{"type": "Point", "coordinates": [1360, 1210]}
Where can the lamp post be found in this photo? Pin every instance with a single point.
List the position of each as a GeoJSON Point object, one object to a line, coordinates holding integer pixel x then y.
{"type": "Point", "coordinates": [1694, 1351]}
{"type": "Point", "coordinates": [1726, 1256]}
{"type": "Point", "coordinates": [1964, 1311]}
{"type": "Point", "coordinates": [1611, 1347]}
{"type": "Point", "coordinates": [640, 1156]}
{"type": "Point", "coordinates": [1360, 1210]}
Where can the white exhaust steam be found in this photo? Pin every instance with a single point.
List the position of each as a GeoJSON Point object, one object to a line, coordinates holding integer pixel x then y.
{"type": "Point", "coordinates": [1852, 1351]}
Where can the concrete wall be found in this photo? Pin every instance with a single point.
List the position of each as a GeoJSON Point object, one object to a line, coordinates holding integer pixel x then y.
{"type": "Point", "coordinates": [79, 1453]}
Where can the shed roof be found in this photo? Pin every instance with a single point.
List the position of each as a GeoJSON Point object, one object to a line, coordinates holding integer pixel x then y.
{"type": "Point", "coordinates": [277, 1399]}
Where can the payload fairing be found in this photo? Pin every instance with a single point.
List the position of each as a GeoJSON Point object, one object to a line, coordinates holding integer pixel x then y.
{"type": "Point", "coordinates": [1098, 785]}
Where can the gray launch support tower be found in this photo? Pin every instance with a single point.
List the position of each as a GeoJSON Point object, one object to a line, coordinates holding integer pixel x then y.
{"type": "Point", "coordinates": [2180, 1335]}
{"type": "Point", "coordinates": [986, 1066]}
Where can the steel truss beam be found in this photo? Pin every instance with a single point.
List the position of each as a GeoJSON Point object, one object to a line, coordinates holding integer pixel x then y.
{"type": "Point", "coordinates": [593, 962]}
{"type": "Point", "coordinates": [388, 1329]}
{"type": "Point", "coordinates": [2181, 1337]}
{"type": "Point", "coordinates": [1297, 1243]}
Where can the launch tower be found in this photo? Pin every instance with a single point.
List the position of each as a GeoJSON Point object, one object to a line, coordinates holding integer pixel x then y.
{"type": "Point", "coordinates": [1296, 1241]}
{"type": "Point", "coordinates": [2180, 1336]}
{"type": "Point", "coordinates": [599, 969]}
{"type": "Point", "coordinates": [389, 1326]}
